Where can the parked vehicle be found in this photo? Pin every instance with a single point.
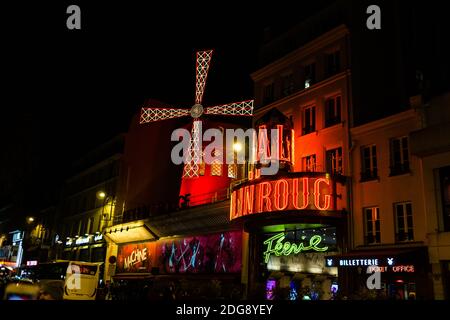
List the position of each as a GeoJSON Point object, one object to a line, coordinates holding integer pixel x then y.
{"type": "Point", "coordinates": [79, 279]}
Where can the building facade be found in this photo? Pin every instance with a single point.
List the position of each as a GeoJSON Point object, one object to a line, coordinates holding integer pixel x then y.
{"type": "Point", "coordinates": [388, 224]}
{"type": "Point", "coordinates": [88, 203]}
{"type": "Point", "coordinates": [310, 87]}
{"type": "Point", "coordinates": [431, 145]}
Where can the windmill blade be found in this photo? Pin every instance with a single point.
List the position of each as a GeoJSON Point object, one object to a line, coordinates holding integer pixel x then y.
{"type": "Point", "coordinates": [243, 108]}
{"type": "Point", "coordinates": [157, 114]}
{"type": "Point", "coordinates": [194, 156]}
{"type": "Point", "coordinates": [202, 67]}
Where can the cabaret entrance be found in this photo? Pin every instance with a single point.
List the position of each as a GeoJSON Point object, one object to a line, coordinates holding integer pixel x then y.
{"type": "Point", "coordinates": [293, 222]}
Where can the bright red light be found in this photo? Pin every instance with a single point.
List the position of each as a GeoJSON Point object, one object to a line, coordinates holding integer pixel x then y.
{"type": "Point", "coordinates": [307, 193]}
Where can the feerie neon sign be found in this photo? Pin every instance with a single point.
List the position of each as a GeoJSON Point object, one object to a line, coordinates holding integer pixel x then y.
{"type": "Point", "coordinates": [276, 245]}
{"type": "Point", "coordinates": [299, 193]}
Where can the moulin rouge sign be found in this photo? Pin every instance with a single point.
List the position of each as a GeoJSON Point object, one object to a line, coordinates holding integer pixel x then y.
{"type": "Point", "coordinates": [312, 192]}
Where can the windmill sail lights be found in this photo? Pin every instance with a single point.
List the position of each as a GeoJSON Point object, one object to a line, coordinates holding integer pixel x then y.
{"type": "Point", "coordinates": [193, 156]}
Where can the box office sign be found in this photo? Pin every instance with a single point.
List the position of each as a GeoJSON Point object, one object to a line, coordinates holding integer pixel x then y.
{"type": "Point", "coordinates": [213, 253]}
{"type": "Point", "coordinates": [373, 264]}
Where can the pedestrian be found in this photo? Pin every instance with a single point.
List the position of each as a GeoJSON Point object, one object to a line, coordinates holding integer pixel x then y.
{"type": "Point", "coordinates": [51, 290]}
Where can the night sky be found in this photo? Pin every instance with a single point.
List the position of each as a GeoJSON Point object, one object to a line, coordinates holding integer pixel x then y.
{"type": "Point", "coordinates": [79, 88]}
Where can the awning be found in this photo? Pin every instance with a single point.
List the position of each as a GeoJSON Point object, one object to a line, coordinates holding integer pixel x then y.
{"type": "Point", "coordinates": [130, 232]}
{"type": "Point", "coordinates": [132, 276]}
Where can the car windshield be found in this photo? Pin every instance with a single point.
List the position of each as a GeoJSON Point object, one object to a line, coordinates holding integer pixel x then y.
{"type": "Point", "coordinates": [52, 271]}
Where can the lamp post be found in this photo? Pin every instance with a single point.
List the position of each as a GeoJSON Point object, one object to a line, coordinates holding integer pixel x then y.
{"type": "Point", "coordinates": [102, 195]}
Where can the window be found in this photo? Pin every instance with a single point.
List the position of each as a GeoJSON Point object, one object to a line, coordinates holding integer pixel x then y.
{"type": "Point", "coordinates": [98, 254]}
{"type": "Point", "coordinates": [333, 63]}
{"type": "Point", "coordinates": [309, 163]}
{"type": "Point", "coordinates": [334, 161]}
{"type": "Point", "coordinates": [399, 156]}
{"type": "Point", "coordinates": [216, 165]}
{"type": "Point", "coordinates": [310, 74]}
{"type": "Point", "coordinates": [333, 111]}
{"type": "Point", "coordinates": [202, 166]}
{"type": "Point", "coordinates": [309, 119]}
{"type": "Point", "coordinates": [90, 225]}
{"type": "Point", "coordinates": [268, 93]}
{"type": "Point", "coordinates": [403, 222]}
{"type": "Point", "coordinates": [232, 170]}
{"type": "Point", "coordinates": [84, 255]}
{"type": "Point", "coordinates": [288, 84]}
{"type": "Point", "coordinates": [444, 175]}
{"type": "Point", "coordinates": [369, 169]}
{"type": "Point", "coordinates": [73, 229]}
{"type": "Point", "coordinates": [80, 227]}
{"type": "Point", "coordinates": [83, 203]}
{"type": "Point", "coordinates": [372, 218]}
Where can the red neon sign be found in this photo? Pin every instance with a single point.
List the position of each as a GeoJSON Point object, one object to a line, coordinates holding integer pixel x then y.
{"type": "Point", "coordinates": [285, 194]}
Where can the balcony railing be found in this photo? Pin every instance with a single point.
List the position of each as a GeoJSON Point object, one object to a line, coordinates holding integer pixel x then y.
{"type": "Point", "coordinates": [185, 202]}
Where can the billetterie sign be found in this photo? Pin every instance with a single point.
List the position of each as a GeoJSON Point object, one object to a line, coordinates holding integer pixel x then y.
{"type": "Point", "coordinates": [284, 194]}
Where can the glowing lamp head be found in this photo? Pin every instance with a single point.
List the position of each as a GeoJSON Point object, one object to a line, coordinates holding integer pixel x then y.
{"type": "Point", "coordinates": [30, 219]}
{"type": "Point", "coordinates": [237, 147]}
{"type": "Point", "coordinates": [101, 195]}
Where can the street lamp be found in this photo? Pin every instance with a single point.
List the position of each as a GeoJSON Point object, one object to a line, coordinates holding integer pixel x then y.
{"type": "Point", "coordinates": [101, 195]}
{"type": "Point", "coordinates": [238, 167]}
{"type": "Point", "coordinates": [237, 146]}
{"type": "Point", "coordinates": [30, 219]}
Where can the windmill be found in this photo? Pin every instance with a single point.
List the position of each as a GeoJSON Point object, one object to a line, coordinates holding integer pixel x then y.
{"type": "Point", "coordinates": [194, 155]}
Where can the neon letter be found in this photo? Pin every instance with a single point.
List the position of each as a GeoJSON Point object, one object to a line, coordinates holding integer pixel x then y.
{"type": "Point", "coordinates": [327, 197]}
{"type": "Point", "coordinates": [305, 194]}
{"type": "Point", "coordinates": [264, 195]}
{"type": "Point", "coordinates": [248, 199]}
{"type": "Point", "coordinates": [281, 205]}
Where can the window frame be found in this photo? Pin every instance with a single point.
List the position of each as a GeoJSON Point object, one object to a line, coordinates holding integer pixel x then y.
{"type": "Point", "coordinates": [337, 111]}
{"type": "Point", "coordinates": [403, 166]}
{"type": "Point", "coordinates": [377, 238]}
{"type": "Point", "coordinates": [306, 160]}
{"type": "Point", "coordinates": [334, 67]}
{"type": "Point", "coordinates": [311, 76]}
{"type": "Point", "coordinates": [312, 119]}
{"type": "Point", "coordinates": [372, 173]}
{"type": "Point", "coordinates": [268, 98]}
{"type": "Point", "coordinates": [405, 223]}
{"type": "Point", "coordinates": [340, 159]}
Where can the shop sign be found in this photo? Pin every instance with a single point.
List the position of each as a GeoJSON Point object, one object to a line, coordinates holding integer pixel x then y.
{"type": "Point", "coordinates": [373, 264]}
{"type": "Point", "coordinates": [212, 253]}
{"type": "Point", "coordinates": [357, 262]}
{"type": "Point", "coordinates": [276, 245]}
{"type": "Point", "coordinates": [401, 268]}
{"type": "Point", "coordinates": [300, 193]}
{"type": "Point", "coordinates": [83, 240]}
{"type": "Point", "coordinates": [136, 256]}
{"type": "Point", "coordinates": [32, 263]}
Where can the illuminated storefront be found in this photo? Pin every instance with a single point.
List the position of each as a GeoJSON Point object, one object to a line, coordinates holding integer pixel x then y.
{"type": "Point", "coordinates": [400, 274]}
{"type": "Point", "coordinates": [293, 225]}
{"type": "Point", "coordinates": [206, 254]}
{"type": "Point", "coordinates": [89, 248]}
{"type": "Point", "coordinates": [207, 265]}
